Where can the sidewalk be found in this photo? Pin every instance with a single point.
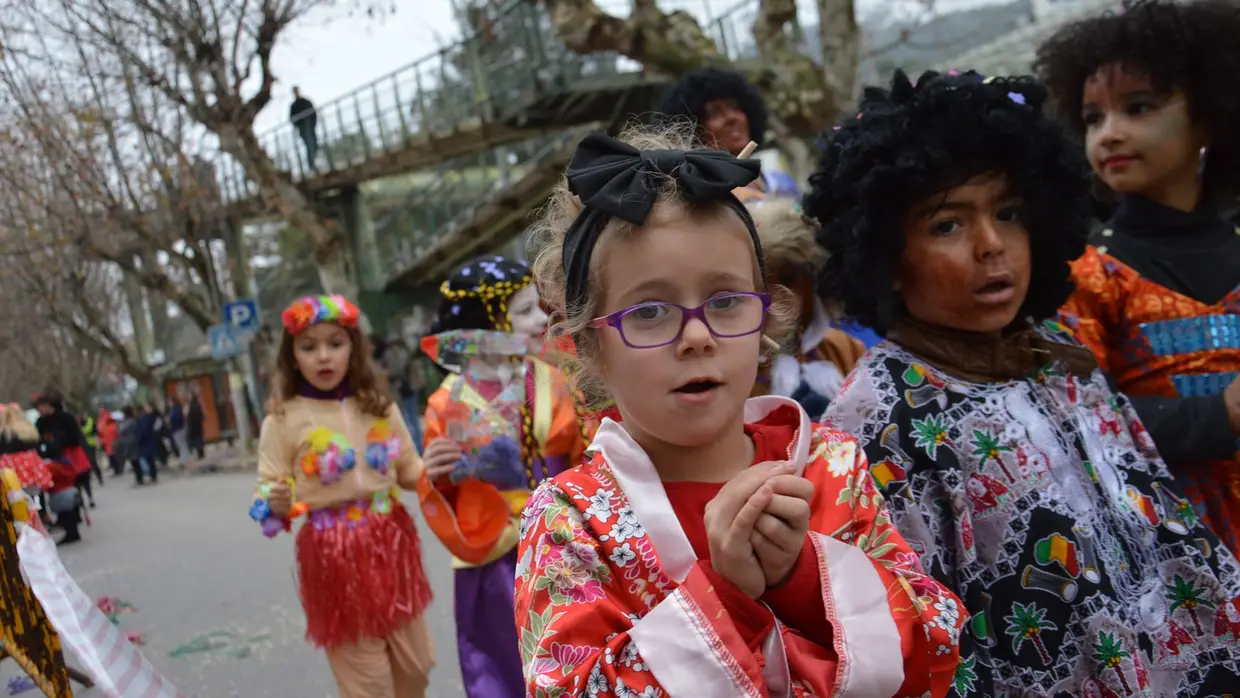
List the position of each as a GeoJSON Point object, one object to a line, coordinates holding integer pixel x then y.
{"type": "Point", "coordinates": [220, 457]}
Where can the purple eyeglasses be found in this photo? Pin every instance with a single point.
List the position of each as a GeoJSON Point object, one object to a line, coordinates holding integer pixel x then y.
{"type": "Point", "coordinates": [657, 324]}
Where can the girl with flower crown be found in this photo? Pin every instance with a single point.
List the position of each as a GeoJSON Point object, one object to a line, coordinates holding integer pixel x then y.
{"type": "Point", "coordinates": [494, 429]}
{"type": "Point", "coordinates": [334, 448]}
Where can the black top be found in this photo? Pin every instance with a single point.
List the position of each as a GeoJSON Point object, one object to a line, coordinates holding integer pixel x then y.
{"type": "Point", "coordinates": [12, 444]}
{"type": "Point", "coordinates": [1194, 254]}
{"type": "Point", "coordinates": [57, 431]}
{"type": "Point", "coordinates": [302, 110]}
{"type": "Point", "coordinates": [1197, 255]}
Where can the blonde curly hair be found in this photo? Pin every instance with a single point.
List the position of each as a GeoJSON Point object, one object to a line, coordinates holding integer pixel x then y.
{"type": "Point", "coordinates": [787, 239]}
{"type": "Point", "coordinates": [546, 248]}
{"type": "Point", "coordinates": [14, 424]}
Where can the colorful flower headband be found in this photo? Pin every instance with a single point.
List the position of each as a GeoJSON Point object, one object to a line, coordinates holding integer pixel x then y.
{"type": "Point", "coordinates": [313, 310]}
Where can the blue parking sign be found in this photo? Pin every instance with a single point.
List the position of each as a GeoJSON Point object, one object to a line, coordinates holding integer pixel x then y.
{"type": "Point", "coordinates": [242, 316]}
{"type": "Point", "coordinates": [224, 342]}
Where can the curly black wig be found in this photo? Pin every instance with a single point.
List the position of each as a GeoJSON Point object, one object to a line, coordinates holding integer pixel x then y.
{"type": "Point", "coordinates": [1193, 46]}
{"type": "Point", "coordinates": [917, 140]}
{"type": "Point", "coordinates": [687, 99]}
{"type": "Point", "coordinates": [476, 296]}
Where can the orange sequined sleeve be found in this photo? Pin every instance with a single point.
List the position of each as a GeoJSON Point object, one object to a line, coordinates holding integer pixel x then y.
{"type": "Point", "coordinates": [1092, 308]}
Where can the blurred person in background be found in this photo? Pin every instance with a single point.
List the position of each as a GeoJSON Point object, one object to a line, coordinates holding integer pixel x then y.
{"type": "Point", "coordinates": [61, 439]}
{"type": "Point", "coordinates": [147, 440]}
{"type": "Point", "coordinates": [125, 445]}
{"type": "Point", "coordinates": [194, 418]}
{"type": "Point", "coordinates": [90, 443]}
{"type": "Point", "coordinates": [176, 424]}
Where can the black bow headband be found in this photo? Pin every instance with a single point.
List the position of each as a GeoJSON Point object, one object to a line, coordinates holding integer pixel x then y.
{"type": "Point", "coordinates": [616, 180]}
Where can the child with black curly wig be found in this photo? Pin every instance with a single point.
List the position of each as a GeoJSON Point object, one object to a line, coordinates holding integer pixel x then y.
{"type": "Point", "coordinates": [1150, 92]}
{"type": "Point", "coordinates": [950, 209]}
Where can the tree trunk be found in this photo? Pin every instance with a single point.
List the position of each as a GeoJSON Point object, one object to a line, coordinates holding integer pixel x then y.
{"type": "Point", "coordinates": [795, 87]}
{"type": "Point", "coordinates": [329, 243]}
{"type": "Point", "coordinates": [841, 49]}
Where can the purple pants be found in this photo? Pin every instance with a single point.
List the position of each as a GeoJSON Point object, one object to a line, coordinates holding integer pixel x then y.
{"type": "Point", "coordinates": [486, 630]}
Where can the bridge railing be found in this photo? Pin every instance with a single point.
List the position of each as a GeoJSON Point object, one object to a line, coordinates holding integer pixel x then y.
{"type": "Point", "coordinates": [512, 56]}
{"type": "Point", "coordinates": [464, 184]}
{"type": "Point", "coordinates": [467, 182]}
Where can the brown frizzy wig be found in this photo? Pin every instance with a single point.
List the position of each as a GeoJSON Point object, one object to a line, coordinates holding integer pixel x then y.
{"type": "Point", "coordinates": [366, 383]}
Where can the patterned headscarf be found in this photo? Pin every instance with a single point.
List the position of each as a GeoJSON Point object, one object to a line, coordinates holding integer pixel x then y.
{"type": "Point", "coordinates": [313, 310]}
{"type": "Point", "coordinates": [476, 296]}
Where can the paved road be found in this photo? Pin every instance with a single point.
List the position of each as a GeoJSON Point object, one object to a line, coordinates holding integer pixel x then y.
{"type": "Point", "coordinates": [185, 554]}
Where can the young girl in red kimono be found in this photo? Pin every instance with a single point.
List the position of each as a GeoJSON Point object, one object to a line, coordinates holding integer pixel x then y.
{"type": "Point", "coordinates": [334, 437]}
{"type": "Point", "coordinates": [715, 545]}
{"type": "Point", "coordinates": [1157, 300]}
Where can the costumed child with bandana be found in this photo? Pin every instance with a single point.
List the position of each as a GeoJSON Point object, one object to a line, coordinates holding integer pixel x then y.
{"type": "Point", "coordinates": [335, 448]}
{"type": "Point", "coordinates": [496, 427]}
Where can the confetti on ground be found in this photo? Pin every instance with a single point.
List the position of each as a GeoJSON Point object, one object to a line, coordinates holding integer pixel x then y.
{"type": "Point", "coordinates": [20, 684]}
{"type": "Point", "coordinates": [114, 608]}
{"type": "Point", "coordinates": [239, 646]}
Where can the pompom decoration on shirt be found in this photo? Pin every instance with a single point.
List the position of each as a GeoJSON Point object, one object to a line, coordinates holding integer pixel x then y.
{"type": "Point", "coordinates": [382, 446]}
{"type": "Point", "coordinates": [328, 457]}
{"type": "Point", "coordinates": [314, 310]}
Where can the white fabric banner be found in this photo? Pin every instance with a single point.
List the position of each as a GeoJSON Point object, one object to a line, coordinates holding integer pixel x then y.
{"type": "Point", "coordinates": [118, 668]}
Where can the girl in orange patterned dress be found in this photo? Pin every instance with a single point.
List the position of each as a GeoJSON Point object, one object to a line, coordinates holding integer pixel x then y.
{"type": "Point", "coordinates": [1157, 300]}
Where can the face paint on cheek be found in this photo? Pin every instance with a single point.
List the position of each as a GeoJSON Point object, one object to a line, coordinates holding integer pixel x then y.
{"type": "Point", "coordinates": [1171, 126]}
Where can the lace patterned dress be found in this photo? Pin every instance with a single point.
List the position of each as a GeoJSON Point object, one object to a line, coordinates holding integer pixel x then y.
{"type": "Point", "coordinates": [1044, 505]}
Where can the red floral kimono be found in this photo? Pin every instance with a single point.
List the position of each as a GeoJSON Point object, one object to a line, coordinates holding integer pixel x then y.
{"type": "Point", "coordinates": [613, 601]}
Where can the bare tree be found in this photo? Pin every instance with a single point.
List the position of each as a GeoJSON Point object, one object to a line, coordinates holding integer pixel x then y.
{"type": "Point", "coordinates": [211, 60]}
{"type": "Point", "coordinates": [92, 162]}
{"type": "Point", "coordinates": [71, 313]}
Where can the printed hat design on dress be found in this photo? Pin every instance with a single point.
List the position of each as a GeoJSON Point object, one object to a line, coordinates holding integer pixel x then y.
{"type": "Point", "coordinates": [314, 310]}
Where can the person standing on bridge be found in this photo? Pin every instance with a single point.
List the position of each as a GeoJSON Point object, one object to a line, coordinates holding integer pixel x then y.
{"type": "Point", "coordinates": [305, 119]}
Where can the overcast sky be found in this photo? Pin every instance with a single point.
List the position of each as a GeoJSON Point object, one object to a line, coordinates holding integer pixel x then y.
{"type": "Point", "coordinates": [328, 56]}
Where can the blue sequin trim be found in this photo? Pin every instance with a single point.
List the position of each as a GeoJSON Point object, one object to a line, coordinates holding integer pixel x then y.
{"type": "Point", "coordinates": [1203, 384]}
{"type": "Point", "coordinates": [1192, 334]}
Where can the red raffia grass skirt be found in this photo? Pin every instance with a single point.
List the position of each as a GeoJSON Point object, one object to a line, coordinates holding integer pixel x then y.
{"type": "Point", "coordinates": [360, 579]}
